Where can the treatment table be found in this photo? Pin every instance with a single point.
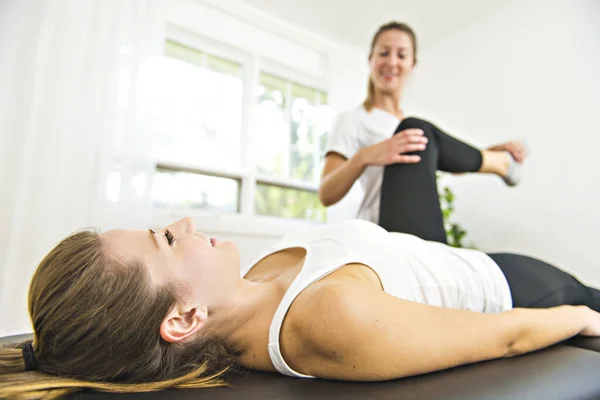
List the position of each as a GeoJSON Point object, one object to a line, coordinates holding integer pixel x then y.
{"type": "Point", "coordinates": [569, 370]}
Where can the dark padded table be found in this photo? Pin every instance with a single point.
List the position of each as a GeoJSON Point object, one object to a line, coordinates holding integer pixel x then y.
{"type": "Point", "coordinates": [570, 370]}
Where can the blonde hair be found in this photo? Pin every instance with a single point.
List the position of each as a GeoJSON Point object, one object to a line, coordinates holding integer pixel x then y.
{"type": "Point", "coordinates": [369, 101]}
{"type": "Point", "coordinates": [96, 323]}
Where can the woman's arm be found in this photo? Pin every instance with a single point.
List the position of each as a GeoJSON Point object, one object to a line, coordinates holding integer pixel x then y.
{"type": "Point", "coordinates": [338, 176]}
{"type": "Point", "coordinates": [369, 335]}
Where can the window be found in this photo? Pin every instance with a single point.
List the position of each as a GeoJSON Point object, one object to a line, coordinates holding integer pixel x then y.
{"type": "Point", "coordinates": [279, 201]}
{"type": "Point", "coordinates": [198, 117]}
{"type": "Point", "coordinates": [292, 124]}
{"type": "Point", "coordinates": [178, 189]}
{"type": "Point", "coordinates": [200, 105]}
{"type": "Point", "coordinates": [200, 121]}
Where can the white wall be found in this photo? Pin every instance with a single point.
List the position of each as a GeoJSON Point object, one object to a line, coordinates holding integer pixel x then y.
{"type": "Point", "coordinates": [530, 71]}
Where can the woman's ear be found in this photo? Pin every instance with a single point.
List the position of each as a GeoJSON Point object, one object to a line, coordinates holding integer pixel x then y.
{"type": "Point", "coordinates": [181, 323]}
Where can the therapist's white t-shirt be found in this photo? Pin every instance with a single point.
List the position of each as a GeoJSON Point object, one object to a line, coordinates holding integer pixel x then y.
{"type": "Point", "coordinates": [354, 130]}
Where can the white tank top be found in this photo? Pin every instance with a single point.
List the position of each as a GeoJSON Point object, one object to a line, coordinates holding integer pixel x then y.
{"type": "Point", "coordinates": [408, 267]}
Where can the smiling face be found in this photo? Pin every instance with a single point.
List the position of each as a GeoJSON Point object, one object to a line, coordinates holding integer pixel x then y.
{"type": "Point", "coordinates": [210, 269]}
{"type": "Point", "coordinates": [392, 60]}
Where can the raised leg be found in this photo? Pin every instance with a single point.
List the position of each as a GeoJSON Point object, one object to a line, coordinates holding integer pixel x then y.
{"type": "Point", "coordinates": [409, 194]}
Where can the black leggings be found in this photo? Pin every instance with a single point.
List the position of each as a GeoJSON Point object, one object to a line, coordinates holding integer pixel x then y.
{"type": "Point", "coordinates": [410, 204]}
{"type": "Point", "coordinates": [536, 284]}
{"type": "Point", "coordinates": [409, 194]}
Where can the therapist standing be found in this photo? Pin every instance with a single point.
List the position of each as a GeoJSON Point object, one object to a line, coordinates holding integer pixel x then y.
{"type": "Point", "coordinates": [395, 156]}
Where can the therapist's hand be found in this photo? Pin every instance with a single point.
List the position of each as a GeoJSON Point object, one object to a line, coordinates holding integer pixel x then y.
{"type": "Point", "coordinates": [394, 149]}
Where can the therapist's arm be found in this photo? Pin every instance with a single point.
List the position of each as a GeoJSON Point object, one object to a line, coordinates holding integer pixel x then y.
{"type": "Point", "coordinates": [338, 176]}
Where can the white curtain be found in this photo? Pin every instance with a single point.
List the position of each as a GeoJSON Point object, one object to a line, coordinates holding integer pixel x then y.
{"type": "Point", "coordinates": [74, 150]}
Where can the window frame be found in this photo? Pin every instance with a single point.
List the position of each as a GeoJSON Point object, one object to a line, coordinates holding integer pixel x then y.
{"type": "Point", "coordinates": [245, 221]}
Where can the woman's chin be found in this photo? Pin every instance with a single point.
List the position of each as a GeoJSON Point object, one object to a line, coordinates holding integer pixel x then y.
{"type": "Point", "coordinates": [389, 87]}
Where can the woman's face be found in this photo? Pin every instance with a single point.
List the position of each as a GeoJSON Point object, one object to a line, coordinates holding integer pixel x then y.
{"type": "Point", "coordinates": [177, 253]}
{"type": "Point", "coordinates": [391, 61]}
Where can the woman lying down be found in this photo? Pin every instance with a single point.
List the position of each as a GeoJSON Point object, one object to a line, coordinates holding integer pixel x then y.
{"type": "Point", "coordinates": [130, 311]}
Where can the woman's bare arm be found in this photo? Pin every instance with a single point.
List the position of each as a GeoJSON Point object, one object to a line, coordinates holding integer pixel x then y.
{"type": "Point", "coordinates": [338, 176]}
{"type": "Point", "coordinates": [369, 335]}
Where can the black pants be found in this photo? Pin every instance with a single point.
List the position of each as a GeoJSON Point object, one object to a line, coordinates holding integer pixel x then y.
{"type": "Point", "coordinates": [410, 204]}
{"type": "Point", "coordinates": [536, 284]}
{"type": "Point", "coordinates": [409, 194]}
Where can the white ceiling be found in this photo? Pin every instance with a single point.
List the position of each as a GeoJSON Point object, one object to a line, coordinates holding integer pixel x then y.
{"type": "Point", "coordinates": [355, 21]}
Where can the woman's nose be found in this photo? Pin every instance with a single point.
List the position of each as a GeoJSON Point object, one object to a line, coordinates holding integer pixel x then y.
{"type": "Point", "coordinates": [187, 225]}
{"type": "Point", "coordinates": [394, 60]}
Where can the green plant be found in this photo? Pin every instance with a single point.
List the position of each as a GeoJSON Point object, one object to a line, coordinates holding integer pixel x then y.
{"type": "Point", "coordinates": [455, 233]}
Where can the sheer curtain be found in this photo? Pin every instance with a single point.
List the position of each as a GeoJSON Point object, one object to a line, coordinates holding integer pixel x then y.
{"type": "Point", "coordinates": [74, 150]}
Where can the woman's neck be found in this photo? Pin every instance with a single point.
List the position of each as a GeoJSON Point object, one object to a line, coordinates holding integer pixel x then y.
{"type": "Point", "coordinates": [248, 313]}
{"type": "Point", "coordinates": [244, 319]}
{"type": "Point", "coordinates": [389, 103]}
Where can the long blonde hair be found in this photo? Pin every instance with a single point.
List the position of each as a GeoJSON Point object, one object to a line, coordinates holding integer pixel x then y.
{"type": "Point", "coordinates": [368, 103]}
{"type": "Point", "coordinates": [96, 325]}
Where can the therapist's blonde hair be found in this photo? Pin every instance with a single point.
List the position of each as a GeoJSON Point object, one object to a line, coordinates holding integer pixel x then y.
{"type": "Point", "coordinates": [96, 318]}
{"type": "Point", "coordinates": [399, 26]}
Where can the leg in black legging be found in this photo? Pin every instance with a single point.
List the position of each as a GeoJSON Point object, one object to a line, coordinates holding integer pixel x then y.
{"type": "Point", "coordinates": [536, 284]}
{"type": "Point", "coordinates": [409, 194]}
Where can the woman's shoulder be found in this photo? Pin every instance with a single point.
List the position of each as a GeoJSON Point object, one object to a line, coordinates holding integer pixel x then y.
{"type": "Point", "coordinates": [314, 318]}
{"type": "Point", "coordinates": [330, 324]}
{"type": "Point", "coordinates": [346, 129]}
{"type": "Point", "coordinates": [326, 300]}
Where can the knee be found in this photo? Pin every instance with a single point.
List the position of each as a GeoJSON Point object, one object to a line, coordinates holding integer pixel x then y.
{"type": "Point", "coordinates": [412, 123]}
{"type": "Point", "coordinates": [415, 123]}
{"type": "Point", "coordinates": [430, 148]}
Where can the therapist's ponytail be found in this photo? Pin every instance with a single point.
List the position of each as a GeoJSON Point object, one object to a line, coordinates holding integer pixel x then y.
{"type": "Point", "coordinates": [368, 103]}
